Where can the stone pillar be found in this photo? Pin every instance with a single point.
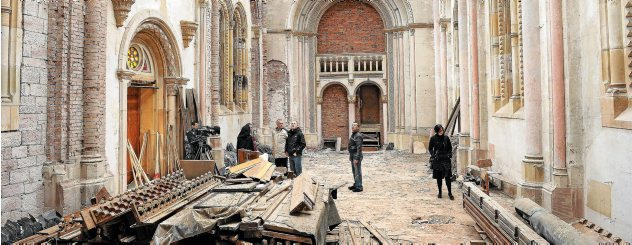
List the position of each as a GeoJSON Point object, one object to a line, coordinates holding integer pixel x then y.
{"type": "Point", "coordinates": [445, 111]}
{"type": "Point", "coordinates": [615, 46]}
{"type": "Point", "coordinates": [476, 136]}
{"type": "Point", "coordinates": [464, 149]}
{"type": "Point", "coordinates": [533, 162]}
{"type": "Point", "coordinates": [319, 119]}
{"type": "Point", "coordinates": [515, 99]}
{"type": "Point", "coordinates": [384, 119]}
{"type": "Point", "coordinates": [94, 173]}
{"type": "Point", "coordinates": [203, 82]}
{"type": "Point", "coordinates": [436, 16]}
{"type": "Point", "coordinates": [564, 199]}
{"type": "Point", "coordinates": [215, 63]}
{"type": "Point", "coordinates": [125, 77]}
{"type": "Point", "coordinates": [352, 100]}
{"type": "Point", "coordinates": [173, 86]}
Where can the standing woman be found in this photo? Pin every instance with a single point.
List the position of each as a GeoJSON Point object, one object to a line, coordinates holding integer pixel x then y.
{"type": "Point", "coordinates": [440, 159]}
{"type": "Point", "coordinates": [245, 139]}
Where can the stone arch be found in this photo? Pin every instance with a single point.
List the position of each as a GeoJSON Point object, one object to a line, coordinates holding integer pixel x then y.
{"type": "Point", "coordinates": [379, 85]}
{"type": "Point", "coordinates": [276, 92]}
{"type": "Point", "coordinates": [148, 29]}
{"type": "Point", "coordinates": [331, 83]}
{"type": "Point", "coordinates": [151, 23]}
{"type": "Point", "coordinates": [335, 106]}
{"type": "Point", "coordinates": [305, 16]}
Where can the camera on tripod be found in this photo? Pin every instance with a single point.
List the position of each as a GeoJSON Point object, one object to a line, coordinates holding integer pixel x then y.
{"type": "Point", "coordinates": [196, 144]}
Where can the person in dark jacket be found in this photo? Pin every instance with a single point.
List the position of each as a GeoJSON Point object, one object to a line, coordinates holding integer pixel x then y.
{"type": "Point", "coordinates": [355, 156]}
{"type": "Point", "coordinates": [440, 149]}
{"type": "Point", "coordinates": [245, 139]}
{"type": "Point", "coordinates": [294, 148]}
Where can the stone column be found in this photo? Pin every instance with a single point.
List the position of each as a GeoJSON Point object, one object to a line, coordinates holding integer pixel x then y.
{"type": "Point", "coordinates": [203, 83]}
{"type": "Point", "coordinates": [464, 150]}
{"type": "Point", "coordinates": [352, 100]}
{"type": "Point", "coordinates": [384, 118]}
{"type": "Point", "coordinates": [436, 16]}
{"type": "Point", "coordinates": [533, 163]}
{"type": "Point", "coordinates": [93, 165]}
{"type": "Point", "coordinates": [125, 77]}
{"type": "Point", "coordinates": [173, 86]}
{"type": "Point", "coordinates": [515, 99]}
{"type": "Point", "coordinates": [319, 119]}
{"type": "Point", "coordinates": [474, 72]}
{"type": "Point", "coordinates": [615, 46]}
{"type": "Point", "coordinates": [215, 63]}
{"type": "Point", "coordinates": [445, 111]}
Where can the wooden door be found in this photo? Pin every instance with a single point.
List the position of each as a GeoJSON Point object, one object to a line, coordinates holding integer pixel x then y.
{"type": "Point", "coordinates": [133, 125]}
{"type": "Point", "coordinates": [369, 104]}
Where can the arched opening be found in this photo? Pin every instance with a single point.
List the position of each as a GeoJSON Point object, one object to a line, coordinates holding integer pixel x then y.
{"type": "Point", "coordinates": [150, 76]}
{"type": "Point", "coordinates": [146, 113]}
{"type": "Point", "coordinates": [368, 109]}
{"type": "Point", "coordinates": [335, 111]}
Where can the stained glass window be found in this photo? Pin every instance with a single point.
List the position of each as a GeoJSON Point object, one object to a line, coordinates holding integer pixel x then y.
{"type": "Point", "coordinates": [133, 58]}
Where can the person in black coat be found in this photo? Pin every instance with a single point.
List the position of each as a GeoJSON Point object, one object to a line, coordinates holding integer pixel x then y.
{"type": "Point", "coordinates": [440, 149]}
{"type": "Point", "coordinates": [245, 139]}
{"type": "Point", "coordinates": [294, 146]}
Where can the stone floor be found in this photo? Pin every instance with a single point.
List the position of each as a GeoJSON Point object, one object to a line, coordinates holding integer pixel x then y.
{"type": "Point", "coordinates": [399, 197]}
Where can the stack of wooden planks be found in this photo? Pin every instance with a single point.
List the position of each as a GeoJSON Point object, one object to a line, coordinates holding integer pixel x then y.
{"type": "Point", "coordinates": [257, 169]}
{"type": "Point", "coordinates": [303, 194]}
{"type": "Point", "coordinates": [359, 232]}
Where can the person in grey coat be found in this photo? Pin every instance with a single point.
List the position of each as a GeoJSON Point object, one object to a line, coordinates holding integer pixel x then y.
{"type": "Point", "coordinates": [355, 156]}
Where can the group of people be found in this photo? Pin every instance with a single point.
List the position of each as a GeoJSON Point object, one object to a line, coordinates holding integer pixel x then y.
{"type": "Point", "coordinates": [288, 146]}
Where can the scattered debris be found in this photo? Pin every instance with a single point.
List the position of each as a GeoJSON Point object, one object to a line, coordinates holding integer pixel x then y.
{"type": "Point", "coordinates": [27, 226]}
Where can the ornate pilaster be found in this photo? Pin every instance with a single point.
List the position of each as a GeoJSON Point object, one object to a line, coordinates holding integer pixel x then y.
{"type": "Point", "coordinates": [121, 9]}
{"type": "Point", "coordinates": [188, 31]}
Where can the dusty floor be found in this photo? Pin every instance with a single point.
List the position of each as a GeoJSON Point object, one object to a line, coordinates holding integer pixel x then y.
{"type": "Point", "coordinates": [399, 197]}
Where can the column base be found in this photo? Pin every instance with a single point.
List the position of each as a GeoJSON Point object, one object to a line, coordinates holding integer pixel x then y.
{"type": "Point", "coordinates": [532, 191]}
{"type": "Point", "coordinates": [464, 153]}
{"type": "Point", "coordinates": [516, 103]}
{"type": "Point", "coordinates": [564, 202]}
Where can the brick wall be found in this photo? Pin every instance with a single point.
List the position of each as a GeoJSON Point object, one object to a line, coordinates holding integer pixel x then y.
{"type": "Point", "coordinates": [335, 111]}
{"type": "Point", "coordinates": [23, 150]}
{"type": "Point", "coordinates": [351, 27]}
{"type": "Point", "coordinates": [276, 92]}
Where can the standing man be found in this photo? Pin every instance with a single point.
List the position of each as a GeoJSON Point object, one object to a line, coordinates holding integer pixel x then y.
{"type": "Point", "coordinates": [294, 147]}
{"type": "Point", "coordinates": [279, 138]}
{"type": "Point", "coordinates": [355, 156]}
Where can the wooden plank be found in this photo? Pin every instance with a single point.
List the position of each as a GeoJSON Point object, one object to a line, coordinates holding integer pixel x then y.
{"type": "Point", "coordinates": [274, 205]}
{"type": "Point", "coordinates": [287, 237]}
{"type": "Point", "coordinates": [244, 166]}
{"type": "Point", "coordinates": [379, 236]}
{"type": "Point", "coordinates": [258, 171]}
{"type": "Point", "coordinates": [268, 174]}
{"type": "Point", "coordinates": [352, 234]}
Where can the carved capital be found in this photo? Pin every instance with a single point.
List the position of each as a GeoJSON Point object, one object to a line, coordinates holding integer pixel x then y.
{"type": "Point", "coordinates": [188, 31]}
{"type": "Point", "coordinates": [351, 99]}
{"type": "Point", "coordinates": [172, 89]}
{"type": "Point", "coordinates": [319, 100]}
{"type": "Point", "coordinates": [124, 75]}
{"type": "Point", "coordinates": [121, 9]}
{"type": "Point", "coordinates": [384, 99]}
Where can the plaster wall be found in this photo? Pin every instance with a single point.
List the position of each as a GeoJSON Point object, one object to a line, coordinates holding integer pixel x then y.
{"type": "Point", "coordinates": [605, 152]}
{"type": "Point", "coordinates": [507, 137]}
{"type": "Point", "coordinates": [424, 96]}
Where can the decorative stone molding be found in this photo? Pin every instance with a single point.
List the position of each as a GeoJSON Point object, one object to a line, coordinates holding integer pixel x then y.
{"type": "Point", "coordinates": [172, 89]}
{"type": "Point", "coordinates": [319, 100]}
{"type": "Point", "coordinates": [124, 75]}
{"type": "Point", "coordinates": [175, 80]}
{"type": "Point", "coordinates": [384, 99]}
{"type": "Point", "coordinates": [188, 31]}
{"type": "Point", "coordinates": [121, 9]}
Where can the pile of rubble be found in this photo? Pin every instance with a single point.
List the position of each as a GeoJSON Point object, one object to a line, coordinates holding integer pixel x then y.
{"type": "Point", "coordinates": [254, 202]}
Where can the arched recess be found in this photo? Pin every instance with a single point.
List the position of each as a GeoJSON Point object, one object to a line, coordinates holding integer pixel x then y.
{"type": "Point", "coordinates": [240, 58]}
{"type": "Point", "coordinates": [369, 111]}
{"type": "Point", "coordinates": [276, 90]}
{"type": "Point", "coordinates": [150, 76]}
{"type": "Point", "coordinates": [335, 107]}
